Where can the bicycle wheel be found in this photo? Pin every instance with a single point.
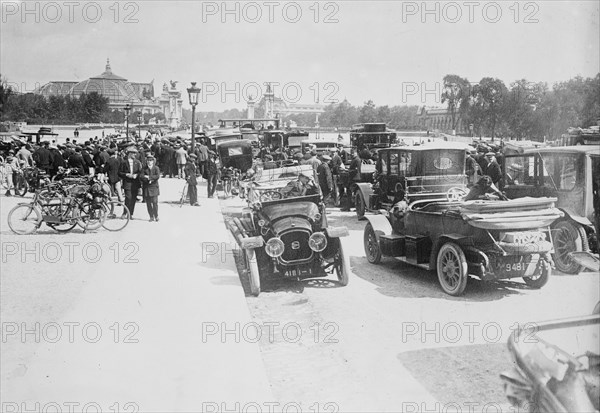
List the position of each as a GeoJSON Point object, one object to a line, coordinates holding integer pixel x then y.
{"type": "Point", "coordinates": [183, 195]}
{"type": "Point", "coordinates": [24, 219]}
{"type": "Point", "coordinates": [90, 216]}
{"type": "Point", "coordinates": [117, 216]}
{"type": "Point", "coordinates": [21, 186]}
{"type": "Point", "coordinates": [58, 211]}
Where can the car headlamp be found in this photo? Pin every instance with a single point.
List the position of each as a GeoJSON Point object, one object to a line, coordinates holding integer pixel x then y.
{"type": "Point", "coordinates": [317, 242]}
{"type": "Point", "coordinates": [274, 247]}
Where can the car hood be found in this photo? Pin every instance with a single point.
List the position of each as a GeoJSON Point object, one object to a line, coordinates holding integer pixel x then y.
{"type": "Point", "coordinates": [294, 209]}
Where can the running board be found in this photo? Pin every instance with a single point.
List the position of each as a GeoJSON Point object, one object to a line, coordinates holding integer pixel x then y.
{"type": "Point", "coordinates": [412, 262]}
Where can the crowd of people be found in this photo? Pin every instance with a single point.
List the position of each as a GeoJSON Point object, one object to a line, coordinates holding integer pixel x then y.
{"type": "Point", "coordinates": [131, 168]}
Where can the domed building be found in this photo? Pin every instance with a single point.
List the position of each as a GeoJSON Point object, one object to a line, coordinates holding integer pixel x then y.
{"type": "Point", "coordinates": [121, 92]}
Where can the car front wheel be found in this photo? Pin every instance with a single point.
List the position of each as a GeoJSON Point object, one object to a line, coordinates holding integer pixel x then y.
{"type": "Point", "coordinates": [253, 274]}
{"type": "Point", "coordinates": [360, 206]}
{"type": "Point", "coordinates": [372, 249]}
{"type": "Point", "coordinates": [452, 269]}
{"type": "Point", "coordinates": [342, 265]}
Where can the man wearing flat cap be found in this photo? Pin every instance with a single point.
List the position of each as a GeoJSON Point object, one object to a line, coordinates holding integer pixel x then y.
{"type": "Point", "coordinates": [130, 173]}
{"type": "Point", "coordinates": [325, 177]}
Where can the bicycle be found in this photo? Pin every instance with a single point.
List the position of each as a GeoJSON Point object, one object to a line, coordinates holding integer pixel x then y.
{"type": "Point", "coordinates": [58, 209]}
{"type": "Point", "coordinates": [184, 196]}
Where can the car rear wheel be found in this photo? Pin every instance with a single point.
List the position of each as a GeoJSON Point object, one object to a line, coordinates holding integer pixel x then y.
{"type": "Point", "coordinates": [452, 269]}
{"type": "Point", "coordinates": [567, 237]}
{"type": "Point", "coordinates": [372, 249]}
{"type": "Point", "coordinates": [253, 273]}
{"type": "Point", "coordinates": [342, 265]}
{"type": "Point", "coordinates": [539, 280]}
{"type": "Point", "coordinates": [360, 205]}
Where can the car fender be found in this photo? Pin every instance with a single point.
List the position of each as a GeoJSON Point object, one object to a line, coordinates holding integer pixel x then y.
{"type": "Point", "coordinates": [381, 225]}
{"type": "Point", "coordinates": [577, 218]}
{"type": "Point", "coordinates": [365, 189]}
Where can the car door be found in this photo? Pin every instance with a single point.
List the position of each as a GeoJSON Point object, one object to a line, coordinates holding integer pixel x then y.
{"type": "Point", "coordinates": [522, 176]}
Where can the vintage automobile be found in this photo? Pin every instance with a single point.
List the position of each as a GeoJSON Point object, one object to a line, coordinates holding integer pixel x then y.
{"type": "Point", "coordinates": [288, 237]}
{"type": "Point", "coordinates": [235, 160]}
{"type": "Point", "coordinates": [572, 175]}
{"type": "Point", "coordinates": [488, 239]}
{"type": "Point", "coordinates": [371, 136]}
{"type": "Point", "coordinates": [556, 366]}
{"type": "Point", "coordinates": [413, 173]}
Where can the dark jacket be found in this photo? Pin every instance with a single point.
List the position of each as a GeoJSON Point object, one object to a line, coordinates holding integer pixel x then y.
{"type": "Point", "coordinates": [76, 161]}
{"type": "Point", "coordinates": [190, 172]}
{"type": "Point", "coordinates": [149, 180]}
{"type": "Point", "coordinates": [42, 158]}
{"type": "Point", "coordinates": [111, 168]}
{"type": "Point", "coordinates": [124, 170]}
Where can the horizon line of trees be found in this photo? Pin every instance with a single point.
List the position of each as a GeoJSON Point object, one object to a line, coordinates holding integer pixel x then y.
{"type": "Point", "coordinates": [487, 108]}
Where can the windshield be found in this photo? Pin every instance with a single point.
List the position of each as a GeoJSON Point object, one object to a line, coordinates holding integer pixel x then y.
{"type": "Point", "coordinates": [562, 171]}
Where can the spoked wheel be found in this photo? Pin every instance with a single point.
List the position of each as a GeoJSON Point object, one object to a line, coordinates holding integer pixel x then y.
{"type": "Point", "coordinates": [21, 186]}
{"type": "Point", "coordinates": [253, 273]}
{"type": "Point", "coordinates": [539, 280]}
{"type": "Point", "coordinates": [372, 249]}
{"type": "Point", "coordinates": [568, 237]}
{"type": "Point", "coordinates": [227, 187]}
{"type": "Point", "coordinates": [452, 269]}
{"type": "Point", "coordinates": [65, 226]}
{"type": "Point", "coordinates": [90, 216]}
{"type": "Point", "coordinates": [117, 216]}
{"type": "Point", "coordinates": [341, 265]}
{"type": "Point", "coordinates": [360, 205]}
{"type": "Point", "coordinates": [24, 219]}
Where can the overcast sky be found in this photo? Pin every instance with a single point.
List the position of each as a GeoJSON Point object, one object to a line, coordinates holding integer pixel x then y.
{"type": "Point", "coordinates": [393, 52]}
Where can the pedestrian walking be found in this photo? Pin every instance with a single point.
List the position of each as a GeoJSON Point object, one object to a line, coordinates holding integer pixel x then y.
{"type": "Point", "coordinates": [325, 178]}
{"type": "Point", "coordinates": [111, 168]}
{"type": "Point", "coordinates": [130, 172]}
{"type": "Point", "coordinates": [190, 173]}
{"type": "Point", "coordinates": [181, 159]}
{"type": "Point", "coordinates": [150, 177]}
{"type": "Point", "coordinates": [212, 172]}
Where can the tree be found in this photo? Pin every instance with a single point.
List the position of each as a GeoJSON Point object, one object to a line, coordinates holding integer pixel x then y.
{"type": "Point", "coordinates": [488, 98]}
{"type": "Point", "coordinates": [368, 113]}
{"type": "Point", "coordinates": [457, 92]}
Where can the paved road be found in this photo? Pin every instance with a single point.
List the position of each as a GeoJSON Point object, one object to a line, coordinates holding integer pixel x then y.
{"type": "Point", "coordinates": [393, 341]}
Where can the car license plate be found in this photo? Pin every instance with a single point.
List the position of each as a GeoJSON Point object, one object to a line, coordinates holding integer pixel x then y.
{"type": "Point", "coordinates": [515, 266]}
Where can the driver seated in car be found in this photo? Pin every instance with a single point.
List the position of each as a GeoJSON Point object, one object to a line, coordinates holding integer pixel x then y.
{"type": "Point", "coordinates": [303, 186]}
{"type": "Point", "coordinates": [484, 189]}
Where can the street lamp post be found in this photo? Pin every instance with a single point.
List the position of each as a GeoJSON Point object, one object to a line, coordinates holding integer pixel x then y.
{"type": "Point", "coordinates": [140, 125]}
{"type": "Point", "coordinates": [193, 93]}
{"type": "Point", "coordinates": [127, 109]}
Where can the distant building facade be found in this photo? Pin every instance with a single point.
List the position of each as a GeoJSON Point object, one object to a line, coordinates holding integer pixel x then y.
{"type": "Point", "coordinates": [121, 92]}
{"type": "Point", "coordinates": [439, 119]}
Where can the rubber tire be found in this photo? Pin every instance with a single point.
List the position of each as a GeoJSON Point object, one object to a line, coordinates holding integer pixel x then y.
{"type": "Point", "coordinates": [95, 224]}
{"type": "Point", "coordinates": [342, 265]}
{"type": "Point", "coordinates": [21, 187]}
{"type": "Point", "coordinates": [453, 251]}
{"type": "Point", "coordinates": [34, 228]}
{"type": "Point", "coordinates": [542, 279]}
{"type": "Point", "coordinates": [577, 235]}
{"type": "Point", "coordinates": [253, 273]}
{"type": "Point", "coordinates": [111, 206]}
{"type": "Point", "coordinates": [359, 204]}
{"type": "Point", "coordinates": [371, 244]}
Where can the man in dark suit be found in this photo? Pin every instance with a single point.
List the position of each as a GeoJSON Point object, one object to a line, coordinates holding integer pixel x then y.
{"type": "Point", "coordinates": [111, 168]}
{"type": "Point", "coordinates": [130, 174]}
{"type": "Point", "coordinates": [76, 161]}
{"type": "Point", "coordinates": [150, 177]}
